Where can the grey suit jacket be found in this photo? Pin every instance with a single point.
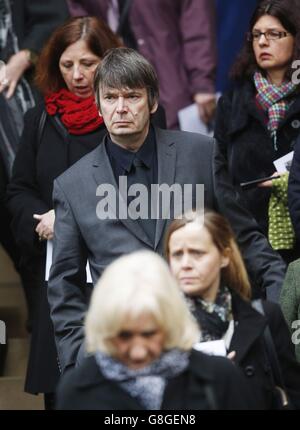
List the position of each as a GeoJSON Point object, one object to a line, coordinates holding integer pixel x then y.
{"type": "Point", "coordinates": [183, 158]}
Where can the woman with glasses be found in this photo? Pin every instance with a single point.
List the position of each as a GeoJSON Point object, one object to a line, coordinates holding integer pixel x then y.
{"type": "Point", "coordinates": [259, 120]}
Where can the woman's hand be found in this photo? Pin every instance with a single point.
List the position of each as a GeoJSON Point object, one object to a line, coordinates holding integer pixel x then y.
{"type": "Point", "coordinates": [15, 69]}
{"type": "Point", "coordinates": [268, 184]}
{"type": "Point", "coordinates": [206, 105]}
{"type": "Point", "coordinates": [45, 227]}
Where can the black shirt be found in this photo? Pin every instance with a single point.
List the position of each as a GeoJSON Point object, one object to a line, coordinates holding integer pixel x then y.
{"type": "Point", "coordinates": [122, 160]}
{"type": "Point", "coordinates": [140, 168]}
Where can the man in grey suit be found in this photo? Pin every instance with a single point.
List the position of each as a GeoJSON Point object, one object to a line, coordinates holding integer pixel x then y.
{"type": "Point", "coordinates": [102, 206]}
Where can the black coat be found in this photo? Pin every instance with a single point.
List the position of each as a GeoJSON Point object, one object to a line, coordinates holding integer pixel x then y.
{"type": "Point", "coordinates": [241, 129]}
{"type": "Point", "coordinates": [294, 191]}
{"type": "Point", "coordinates": [248, 343]}
{"type": "Point", "coordinates": [36, 166]}
{"type": "Point", "coordinates": [34, 21]}
{"type": "Point", "coordinates": [85, 387]}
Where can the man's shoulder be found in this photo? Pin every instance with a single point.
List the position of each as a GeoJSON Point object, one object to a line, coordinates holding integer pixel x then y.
{"type": "Point", "coordinates": [82, 169]}
{"type": "Point", "coordinates": [179, 135]}
{"type": "Point", "coordinates": [185, 139]}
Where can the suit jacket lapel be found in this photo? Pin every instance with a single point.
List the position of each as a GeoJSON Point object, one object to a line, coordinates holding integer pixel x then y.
{"type": "Point", "coordinates": [166, 159]}
{"type": "Point", "coordinates": [103, 174]}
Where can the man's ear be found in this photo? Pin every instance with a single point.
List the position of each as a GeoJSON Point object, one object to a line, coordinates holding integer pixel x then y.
{"type": "Point", "coordinates": [154, 107]}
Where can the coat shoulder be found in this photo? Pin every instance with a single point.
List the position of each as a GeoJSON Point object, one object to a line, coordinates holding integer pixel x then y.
{"type": "Point", "coordinates": [80, 169]}
{"type": "Point", "coordinates": [185, 140]}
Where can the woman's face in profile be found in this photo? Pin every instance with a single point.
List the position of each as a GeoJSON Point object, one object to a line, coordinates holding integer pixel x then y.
{"type": "Point", "coordinates": [77, 65]}
{"type": "Point", "coordinates": [139, 342]}
{"type": "Point", "coordinates": [195, 261]}
{"type": "Point", "coordinates": [276, 54]}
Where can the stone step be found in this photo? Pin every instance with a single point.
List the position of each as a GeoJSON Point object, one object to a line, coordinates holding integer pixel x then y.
{"type": "Point", "coordinates": [17, 358]}
{"type": "Point", "coordinates": [12, 396]}
{"type": "Point", "coordinates": [13, 310]}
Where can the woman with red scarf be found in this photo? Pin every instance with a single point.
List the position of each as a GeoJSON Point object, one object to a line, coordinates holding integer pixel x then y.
{"type": "Point", "coordinates": [57, 133]}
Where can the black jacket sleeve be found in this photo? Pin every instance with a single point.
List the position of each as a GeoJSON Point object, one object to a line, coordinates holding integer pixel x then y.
{"type": "Point", "coordinates": [285, 349]}
{"type": "Point", "coordinates": [294, 190]}
{"type": "Point", "coordinates": [23, 196]}
{"type": "Point", "coordinates": [265, 267]}
{"type": "Point", "coordinates": [35, 20]}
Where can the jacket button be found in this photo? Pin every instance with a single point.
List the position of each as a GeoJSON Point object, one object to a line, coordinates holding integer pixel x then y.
{"type": "Point", "coordinates": [296, 123]}
{"type": "Point", "coordinates": [141, 42]}
{"type": "Point", "coordinates": [249, 371]}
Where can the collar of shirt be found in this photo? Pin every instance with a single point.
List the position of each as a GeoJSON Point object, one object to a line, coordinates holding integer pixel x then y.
{"type": "Point", "coordinates": [125, 158]}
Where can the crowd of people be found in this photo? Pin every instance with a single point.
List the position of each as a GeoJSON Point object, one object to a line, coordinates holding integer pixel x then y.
{"type": "Point", "coordinates": [94, 168]}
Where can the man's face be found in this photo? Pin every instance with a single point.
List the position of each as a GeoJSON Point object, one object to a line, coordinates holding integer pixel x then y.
{"type": "Point", "coordinates": [125, 112]}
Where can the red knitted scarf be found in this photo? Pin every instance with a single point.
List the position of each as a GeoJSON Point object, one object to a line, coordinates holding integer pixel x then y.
{"type": "Point", "coordinates": [79, 116]}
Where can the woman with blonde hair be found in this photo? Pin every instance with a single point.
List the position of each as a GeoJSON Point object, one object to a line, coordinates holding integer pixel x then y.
{"type": "Point", "coordinates": [205, 260]}
{"type": "Point", "coordinates": [140, 334]}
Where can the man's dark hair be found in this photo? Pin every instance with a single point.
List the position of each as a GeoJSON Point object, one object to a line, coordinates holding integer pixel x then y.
{"type": "Point", "coordinates": [126, 68]}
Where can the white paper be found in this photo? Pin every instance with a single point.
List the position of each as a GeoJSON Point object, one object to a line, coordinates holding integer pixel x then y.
{"type": "Point", "coordinates": [283, 164]}
{"type": "Point", "coordinates": [189, 120]}
{"type": "Point", "coordinates": [214, 347]}
{"type": "Point", "coordinates": [49, 263]}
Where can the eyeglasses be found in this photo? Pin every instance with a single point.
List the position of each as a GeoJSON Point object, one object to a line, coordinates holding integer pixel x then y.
{"type": "Point", "coordinates": [269, 35]}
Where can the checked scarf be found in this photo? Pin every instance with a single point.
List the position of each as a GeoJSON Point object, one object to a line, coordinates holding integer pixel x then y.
{"type": "Point", "coordinates": [272, 98]}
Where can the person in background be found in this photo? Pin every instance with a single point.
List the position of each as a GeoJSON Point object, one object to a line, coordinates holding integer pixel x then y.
{"type": "Point", "coordinates": [177, 37]}
{"type": "Point", "coordinates": [206, 262]}
{"type": "Point", "coordinates": [290, 303]}
{"type": "Point", "coordinates": [134, 155]}
{"type": "Point", "coordinates": [25, 25]}
{"type": "Point", "coordinates": [57, 133]}
{"type": "Point", "coordinates": [258, 121]}
{"type": "Point", "coordinates": [139, 336]}
{"type": "Point", "coordinates": [232, 17]}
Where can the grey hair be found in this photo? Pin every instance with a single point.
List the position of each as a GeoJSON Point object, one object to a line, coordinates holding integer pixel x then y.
{"type": "Point", "coordinates": [126, 68]}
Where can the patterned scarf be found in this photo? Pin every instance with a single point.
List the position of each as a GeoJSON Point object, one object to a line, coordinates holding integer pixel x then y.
{"type": "Point", "coordinates": [79, 115]}
{"type": "Point", "coordinates": [213, 317]}
{"type": "Point", "coordinates": [146, 385]}
{"type": "Point", "coordinates": [272, 99]}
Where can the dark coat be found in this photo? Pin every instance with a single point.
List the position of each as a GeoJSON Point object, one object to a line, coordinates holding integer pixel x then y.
{"type": "Point", "coordinates": [177, 37]}
{"type": "Point", "coordinates": [294, 190]}
{"type": "Point", "coordinates": [36, 166]}
{"type": "Point", "coordinates": [183, 158]}
{"type": "Point", "coordinates": [248, 343]}
{"type": "Point", "coordinates": [34, 21]}
{"type": "Point", "coordinates": [85, 387]}
{"type": "Point", "coordinates": [241, 130]}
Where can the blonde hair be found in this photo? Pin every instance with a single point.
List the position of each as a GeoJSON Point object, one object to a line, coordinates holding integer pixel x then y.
{"type": "Point", "coordinates": [235, 274]}
{"type": "Point", "coordinates": [131, 286]}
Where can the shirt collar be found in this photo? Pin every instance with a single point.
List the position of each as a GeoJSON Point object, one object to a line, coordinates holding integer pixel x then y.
{"type": "Point", "coordinates": [144, 154]}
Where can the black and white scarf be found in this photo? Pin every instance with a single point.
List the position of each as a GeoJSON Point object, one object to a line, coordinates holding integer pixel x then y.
{"type": "Point", "coordinates": [146, 385]}
{"type": "Point", "coordinates": [213, 317]}
{"type": "Point", "coordinates": [12, 110]}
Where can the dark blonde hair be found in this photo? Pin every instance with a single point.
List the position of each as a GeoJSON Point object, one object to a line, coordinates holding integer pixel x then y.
{"type": "Point", "coordinates": [97, 35]}
{"type": "Point", "coordinates": [234, 275]}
